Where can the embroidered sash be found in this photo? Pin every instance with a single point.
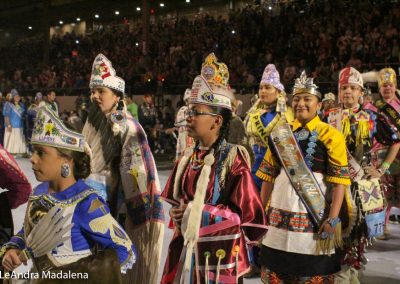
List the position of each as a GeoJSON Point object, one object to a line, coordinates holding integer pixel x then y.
{"type": "Point", "coordinates": [300, 176]}
{"type": "Point", "coordinates": [17, 111]}
{"type": "Point", "coordinates": [355, 170]}
{"type": "Point", "coordinates": [390, 112]}
{"type": "Point", "coordinates": [261, 131]}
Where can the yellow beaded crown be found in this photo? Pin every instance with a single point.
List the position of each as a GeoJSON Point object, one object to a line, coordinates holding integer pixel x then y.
{"type": "Point", "coordinates": [216, 73]}
{"type": "Point", "coordinates": [387, 75]}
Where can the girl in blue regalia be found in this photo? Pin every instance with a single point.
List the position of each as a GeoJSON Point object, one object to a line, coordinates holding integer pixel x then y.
{"type": "Point", "coordinates": [14, 112]}
{"type": "Point", "coordinates": [73, 220]}
{"type": "Point", "coordinates": [262, 116]}
{"type": "Point", "coordinates": [259, 122]}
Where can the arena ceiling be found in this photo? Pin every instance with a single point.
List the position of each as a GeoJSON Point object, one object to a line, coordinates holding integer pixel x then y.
{"type": "Point", "coordinates": [21, 14]}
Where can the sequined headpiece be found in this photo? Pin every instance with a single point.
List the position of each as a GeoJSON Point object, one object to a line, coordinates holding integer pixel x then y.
{"type": "Point", "coordinates": [304, 84]}
{"type": "Point", "coordinates": [216, 73]}
{"type": "Point", "coordinates": [387, 75]}
{"type": "Point", "coordinates": [271, 76]}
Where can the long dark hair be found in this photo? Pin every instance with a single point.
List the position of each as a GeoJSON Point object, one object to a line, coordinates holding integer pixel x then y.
{"type": "Point", "coordinates": [111, 144]}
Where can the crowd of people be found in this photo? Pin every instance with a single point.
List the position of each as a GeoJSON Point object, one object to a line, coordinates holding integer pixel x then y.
{"type": "Point", "coordinates": [321, 38]}
{"type": "Point", "coordinates": [322, 174]}
{"type": "Point", "coordinates": [17, 115]}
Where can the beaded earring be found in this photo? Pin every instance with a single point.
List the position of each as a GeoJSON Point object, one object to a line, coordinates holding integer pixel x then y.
{"type": "Point", "coordinates": [65, 170]}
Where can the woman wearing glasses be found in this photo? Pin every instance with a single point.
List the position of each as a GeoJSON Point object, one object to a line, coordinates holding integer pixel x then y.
{"type": "Point", "coordinates": [214, 198]}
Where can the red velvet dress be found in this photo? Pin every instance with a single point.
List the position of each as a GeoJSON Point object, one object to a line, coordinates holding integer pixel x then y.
{"type": "Point", "coordinates": [239, 196]}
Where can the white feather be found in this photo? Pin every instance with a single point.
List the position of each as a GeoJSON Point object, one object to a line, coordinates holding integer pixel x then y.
{"type": "Point", "coordinates": [48, 232]}
{"type": "Point", "coordinates": [191, 234]}
{"type": "Point", "coordinates": [370, 77]}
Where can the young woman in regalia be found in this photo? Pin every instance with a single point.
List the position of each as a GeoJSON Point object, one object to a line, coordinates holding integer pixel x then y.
{"type": "Point", "coordinates": [259, 122]}
{"type": "Point", "coordinates": [67, 223]}
{"type": "Point", "coordinates": [216, 206]}
{"type": "Point", "coordinates": [262, 116]}
{"type": "Point", "coordinates": [389, 105]}
{"type": "Point", "coordinates": [123, 169]}
{"type": "Point", "coordinates": [305, 188]}
{"type": "Point", "coordinates": [14, 115]}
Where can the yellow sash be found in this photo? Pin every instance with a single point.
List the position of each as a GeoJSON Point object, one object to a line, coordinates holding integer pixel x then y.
{"type": "Point", "coordinates": [257, 126]}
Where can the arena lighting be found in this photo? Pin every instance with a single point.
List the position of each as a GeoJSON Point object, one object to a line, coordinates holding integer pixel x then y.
{"type": "Point", "coordinates": [30, 27]}
{"type": "Point", "coordinates": [96, 16]}
{"type": "Point", "coordinates": [78, 19]}
{"type": "Point", "coordinates": [233, 32]}
{"type": "Point", "coordinates": [270, 8]}
{"type": "Point", "coordinates": [162, 5]}
{"type": "Point", "coordinates": [73, 24]}
{"type": "Point", "coordinates": [77, 41]}
{"type": "Point", "coordinates": [187, 1]}
{"type": "Point", "coordinates": [137, 44]}
{"type": "Point", "coordinates": [138, 9]}
{"type": "Point", "coordinates": [61, 22]}
{"type": "Point", "coordinates": [116, 12]}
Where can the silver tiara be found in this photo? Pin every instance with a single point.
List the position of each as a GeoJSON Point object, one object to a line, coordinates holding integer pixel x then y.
{"type": "Point", "coordinates": [305, 84]}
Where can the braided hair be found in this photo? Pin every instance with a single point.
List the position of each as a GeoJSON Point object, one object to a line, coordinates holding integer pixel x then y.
{"type": "Point", "coordinates": [223, 131]}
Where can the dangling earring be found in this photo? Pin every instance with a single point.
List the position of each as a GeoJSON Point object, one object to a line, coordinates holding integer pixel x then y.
{"type": "Point", "coordinates": [361, 100]}
{"type": "Point", "coordinates": [65, 170]}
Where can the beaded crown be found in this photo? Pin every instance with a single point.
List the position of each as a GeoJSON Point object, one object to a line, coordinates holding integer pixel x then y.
{"type": "Point", "coordinates": [305, 84]}
{"type": "Point", "coordinates": [387, 75]}
{"type": "Point", "coordinates": [216, 73]}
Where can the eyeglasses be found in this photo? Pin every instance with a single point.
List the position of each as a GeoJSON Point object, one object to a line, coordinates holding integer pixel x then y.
{"type": "Point", "coordinates": [194, 112]}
